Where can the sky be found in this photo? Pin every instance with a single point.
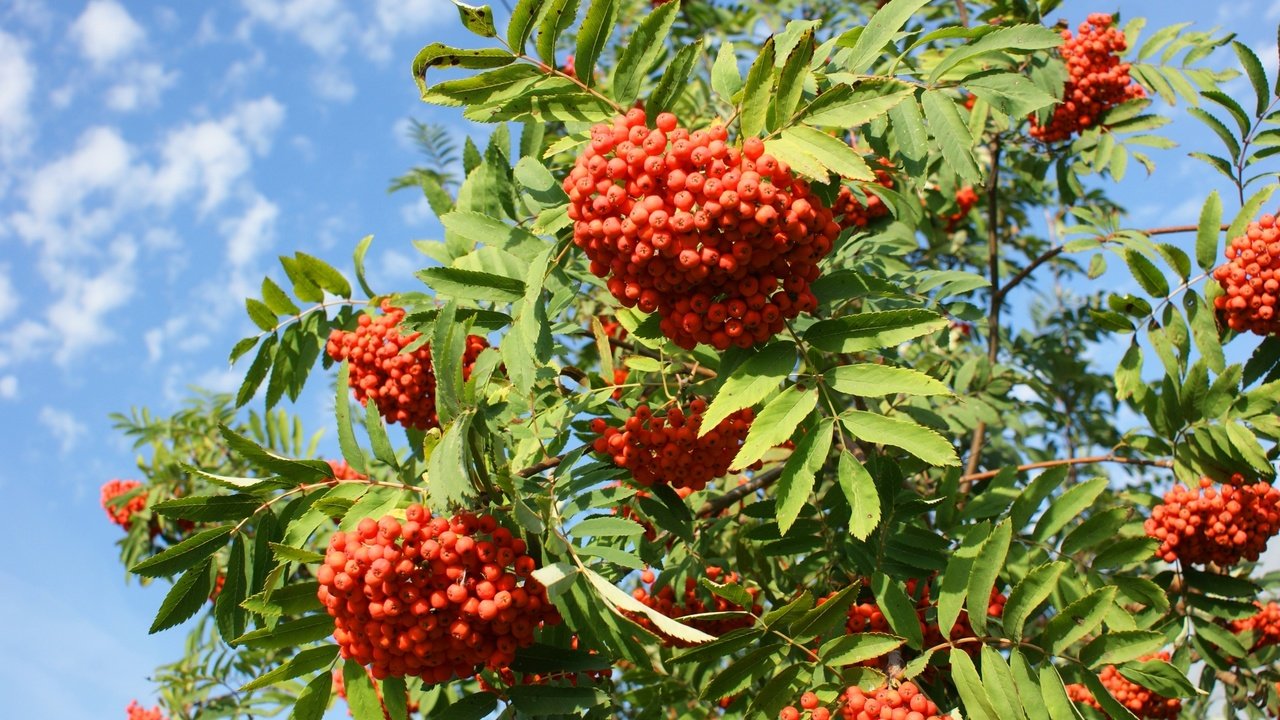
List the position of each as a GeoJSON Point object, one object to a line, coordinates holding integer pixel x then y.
{"type": "Point", "coordinates": [155, 158]}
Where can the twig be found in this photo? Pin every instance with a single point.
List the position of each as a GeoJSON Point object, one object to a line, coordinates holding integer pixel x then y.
{"type": "Point", "coordinates": [993, 317]}
{"type": "Point", "coordinates": [974, 477]}
{"type": "Point", "coordinates": [536, 468]}
{"type": "Point", "coordinates": [963, 10]}
{"type": "Point", "coordinates": [712, 508]}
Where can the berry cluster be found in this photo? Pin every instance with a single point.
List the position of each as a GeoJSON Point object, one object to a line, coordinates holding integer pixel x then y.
{"type": "Point", "coordinates": [666, 448]}
{"type": "Point", "coordinates": [1140, 701]}
{"type": "Point", "coordinates": [402, 384]}
{"type": "Point", "coordinates": [431, 597]}
{"type": "Point", "coordinates": [694, 600]}
{"type": "Point", "coordinates": [344, 472]}
{"type": "Point", "coordinates": [1250, 279]}
{"type": "Point", "coordinates": [855, 213]}
{"type": "Point", "coordinates": [904, 703]}
{"type": "Point", "coordinates": [1096, 82]}
{"type": "Point", "coordinates": [1216, 525]}
{"type": "Point", "coordinates": [121, 513]}
{"type": "Point", "coordinates": [137, 712]}
{"type": "Point", "coordinates": [966, 199]}
{"type": "Point", "coordinates": [722, 242]}
{"type": "Point", "coordinates": [810, 702]}
{"type": "Point", "coordinates": [1265, 625]}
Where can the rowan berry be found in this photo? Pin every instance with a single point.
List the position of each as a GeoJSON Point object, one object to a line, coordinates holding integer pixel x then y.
{"type": "Point", "coordinates": [1250, 279]}
{"type": "Point", "coordinates": [122, 512]}
{"type": "Point", "coordinates": [905, 701]}
{"type": "Point", "coordinates": [694, 600]}
{"type": "Point", "coordinates": [137, 712]}
{"type": "Point", "coordinates": [1221, 525]}
{"type": "Point", "coordinates": [1265, 626]}
{"type": "Point", "coordinates": [1096, 79]}
{"type": "Point", "coordinates": [1139, 700]}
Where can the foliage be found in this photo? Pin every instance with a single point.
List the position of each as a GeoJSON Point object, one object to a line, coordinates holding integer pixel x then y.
{"type": "Point", "coordinates": [931, 447]}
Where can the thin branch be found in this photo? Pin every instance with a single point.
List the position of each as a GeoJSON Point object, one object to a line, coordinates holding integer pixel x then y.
{"type": "Point", "coordinates": [712, 508]}
{"type": "Point", "coordinates": [974, 477]}
{"type": "Point", "coordinates": [536, 468]}
{"type": "Point", "coordinates": [997, 299]}
{"type": "Point", "coordinates": [963, 10]}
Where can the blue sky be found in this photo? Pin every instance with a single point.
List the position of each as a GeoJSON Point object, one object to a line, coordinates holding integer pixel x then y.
{"type": "Point", "coordinates": [155, 157]}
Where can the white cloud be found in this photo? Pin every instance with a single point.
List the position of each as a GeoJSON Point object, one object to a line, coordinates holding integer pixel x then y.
{"type": "Point", "coordinates": [417, 212]}
{"type": "Point", "coordinates": [250, 233]}
{"type": "Point", "coordinates": [333, 84]}
{"type": "Point", "coordinates": [8, 296]}
{"type": "Point", "coordinates": [17, 80]}
{"type": "Point", "coordinates": [8, 387]}
{"type": "Point", "coordinates": [106, 33]}
{"type": "Point", "coordinates": [77, 317]}
{"type": "Point", "coordinates": [141, 86]}
{"type": "Point", "coordinates": [393, 18]}
{"type": "Point", "coordinates": [64, 426]}
{"type": "Point", "coordinates": [321, 25]}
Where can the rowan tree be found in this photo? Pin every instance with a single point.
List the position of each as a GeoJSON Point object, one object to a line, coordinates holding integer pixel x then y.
{"type": "Point", "coordinates": [750, 380]}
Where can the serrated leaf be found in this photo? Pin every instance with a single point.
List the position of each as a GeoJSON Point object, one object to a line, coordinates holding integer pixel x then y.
{"type": "Point", "coordinates": [1160, 677]}
{"type": "Point", "coordinates": [362, 700]}
{"type": "Point", "coordinates": [986, 569]}
{"type": "Point", "coordinates": [832, 153]}
{"type": "Point", "coordinates": [1028, 594]}
{"type": "Point", "coordinates": [1010, 93]}
{"type": "Point", "coordinates": [739, 674]}
{"type": "Point", "coordinates": [276, 299]}
{"type": "Point", "coordinates": [1249, 211]}
{"type": "Point", "coordinates": [860, 490]}
{"type": "Point", "coordinates": [185, 554]}
{"type": "Point", "coordinates": [751, 382]}
{"type": "Point", "coordinates": [593, 33]}
{"type": "Point", "coordinates": [357, 257]}
{"type": "Point", "coordinates": [855, 648]}
{"type": "Point", "coordinates": [260, 314]}
{"type": "Point", "coordinates": [1079, 619]}
{"type": "Point", "coordinates": [478, 19]}
{"type": "Point", "coordinates": [209, 508]}
{"type": "Point", "coordinates": [873, 380]}
{"type": "Point", "coordinates": [606, 527]}
{"type": "Point", "coordinates": [758, 92]}
{"type": "Point", "coordinates": [643, 47]}
{"type": "Point", "coordinates": [1257, 75]}
{"type": "Point", "coordinates": [308, 660]}
{"type": "Point", "coordinates": [228, 615]}
{"type": "Point", "coordinates": [951, 134]}
{"type": "Point", "coordinates": [1021, 38]}
{"type": "Point", "coordinates": [845, 107]}
{"type": "Point", "coordinates": [800, 473]}
{"type": "Point", "coordinates": [1054, 694]}
{"type": "Point", "coordinates": [1067, 507]}
{"type": "Point", "coordinates": [775, 424]}
{"type": "Point", "coordinates": [290, 633]}
{"type": "Point", "coordinates": [185, 598]}
{"type": "Point", "coordinates": [1117, 647]}
{"type": "Point", "coordinates": [441, 55]}
{"type": "Point", "coordinates": [461, 284]}
{"type": "Point", "coordinates": [872, 330]}
{"type": "Point", "coordinates": [1208, 232]}
{"type": "Point", "coordinates": [324, 275]}
{"type": "Point", "coordinates": [674, 79]}
{"type": "Point", "coordinates": [447, 479]}
{"type": "Point", "coordinates": [878, 32]}
{"type": "Point", "coordinates": [972, 693]}
{"type": "Point", "coordinates": [898, 609]}
{"type": "Point", "coordinates": [313, 699]}
{"type": "Point", "coordinates": [953, 588]}
{"type": "Point", "coordinates": [523, 17]}
{"type": "Point", "coordinates": [619, 599]}
{"type": "Point", "coordinates": [347, 442]}
{"type": "Point", "coordinates": [725, 78]}
{"type": "Point", "coordinates": [1146, 273]}
{"type": "Point", "coordinates": [916, 439]}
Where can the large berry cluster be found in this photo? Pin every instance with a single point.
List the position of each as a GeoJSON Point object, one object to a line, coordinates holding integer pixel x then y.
{"type": "Point", "coordinates": [666, 449]}
{"type": "Point", "coordinates": [432, 597]}
{"type": "Point", "coordinates": [695, 600]}
{"type": "Point", "coordinates": [121, 513]}
{"type": "Point", "coordinates": [401, 384]}
{"type": "Point", "coordinates": [1140, 701]}
{"type": "Point", "coordinates": [1250, 279]}
{"type": "Point", "coordinates": [1216, 525]}
{"type": "Point", "coordinates": [906, 702]}
{"type": "Point", "coordinates": [722, 242]}
{"type": "Point", "coordinates": [1096, 79]}
{"type": "Point", "coordinates": [856, 213]}
{"type": "Point", "coordinates": [1265, 625]}
{"type": "Point", "coordinates": [966, 199]}
{"type": "Point", "coordinates": [137, 712]}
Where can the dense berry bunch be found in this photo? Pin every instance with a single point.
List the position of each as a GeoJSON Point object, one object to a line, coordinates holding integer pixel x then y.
{"type": "Point", "coordinates": [1265, 625]}
{"type": "Point", "coordinates": [666, 449]}
{"type": "Point", "coordinates": [906, 702]}
{"type": "Point", "coordinates": [122, 513]}
{"type": "Point", "coordinates": [966, 199]}
{"type": "Point", "coordinates": [137, 712]}
{"type": "Point", "coordinates": [722, 242]}
{"type": "Point", "coordinates": [1140, 701]}
{"type": "Point", "coordinates": [343, 471]}
{"type": "Point", "coordinates": [1251, 279]}
{"type": "Point", "coordinates": [401, 384]}
{"type": "Point", "coordinates": [810, 703]}
{"type": "Point", "coordinates": [432, 597]}
{"type": "Point", "coordinates": [1216, 525]}
{"type": "Point", "coordinates": [694, 600]}
{"type": "Point", "coordinates": [857, 213]}
{"type": "Point", "coordinates": [1096, 79]}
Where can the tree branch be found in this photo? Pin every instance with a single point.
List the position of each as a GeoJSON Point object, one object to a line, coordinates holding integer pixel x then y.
{"type": "Point", "coordinates": [712, 508]}
{"type": "Point", "coordinates": [539, 467]}
{"type": "Point", "coordinates": [997, 298]}
{"type": "Point", "coordinates": [963, 9]}
{"type": "Point", "coordinates": [973, 477]}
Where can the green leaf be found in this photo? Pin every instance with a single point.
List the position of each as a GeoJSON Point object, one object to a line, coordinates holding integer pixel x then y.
{"type": "Point", "coordinates": [1209, 230]}
{"type": "Point", "coordinates": [378, 440]}
{"type": "Point", "coordinates": [185, 554]}
{"type": "Point", "coordinates": [872, 330]}
{"type": "Point", "coordinates": [1013, 38]}
{"type": "Point", "coordinates": [1257, 75]}
{"type": "Point", "coordinates": [823, 618]}
{"type": "Point", "coordinates": [916, 439]}
{"type": "Point", "coordinates": [209, 508]}
{"type": "Point", "coordinates": [832, 153]}
{"type": "Point", "coordinates": [1117, 647]}
{"type": "Point", "coordinates": [860, 490]}
{"type": "Point", "coordinates": [458, 284]}
{"type": "Point", "coordinates": [475, 706]}
{"type": "Point", "coordinates": [1101, 525]}
{"type": "Point", "coordinates": [619, 599]}
{"type": "Point", "coordinates": [276, 299]}
{"type": "Point", "coordinates": [951, 134]}
{"type": "Point", "coordinates": [314, 698]}
{"type": "Point", "coordinates": [260, 314]}
{"type": "Point", "coordinates": [362, 699]}
{"type": "Point", "coordinates": [290, 633]}
{"type": "Point", "coordinates": [642, 48]}
{"type": "Point", "coordinates": [674, 79]}
{"type": "Point", "coordinates": [791, 81]}
{"type": "Point", "coordinates": [879, 31]}
{"type": "Point", "coordinates": [1054, 694]}
{"type": "Point", "coordinates": [185, 598]}
{"type": "Point", "coordinates": [523, 17]}
{"type": "Point", "coordinates": [1010, 93]}
{"type": "Point", "coordinates": [1079, 619]}
{"type": "Point", "coordinates": [1028, 594]}
{"type": "Point", "coordinates": [303, 288]}
{"type": "Point", "coordinates": [873, 380]}
{"type": "Point", "coordinates": [758, 92]}
{"type": "Point", "coordinates": [228, 614]}
{"type": "Point", "coordinates": [362, 248]}
{"type": "Point", "coordinates": [1146, 273]}
{"type": "Point", "coordinates": [545, 701]}
{"type": "Point", "coordinates": [1068, 507]}
{"type": "Point", "coordinates": [302, 470]}
{"type": "Point", "coordinates": [1000, 685]}
{"type": "Point", "coordinates": [721, 647]}
{"type": "Point", "coordinates": [969, 685]}
{"type": "Point", "coordinates": [440, 55]}
{"type": "Point", "coordinates": [897, 608]}
{"type": "Point", "coordinates": [606, 527]}
{"type": "Point", "coordinates": [1113, 709]}
{"type": "Point", "coordinates": [855, 648]}
{"type": "Point", "coordinates": [556, 19]}
{"type": "Point", "coordinates": [305, 661]}
{"type": "Point", "coordinates": [725, 78]}
{"type": "Point", "coordinates": [477, 19]}
{"type": "Point", "coordinates": [775, 424]}
{"type": "Point", "coordinates": [986, 569]}
{"type": "Point", "coordinates": [1159, 676]}
{"type": "Point", "coordinates": [751, 382]}
{"type": "Point", "coordinates": [1250, 210]}
{"type": "Point", "coordinates": [954, 585]}
{"type": "Point", "coordinates": [912, 136]}
{"type": "Point", "coordinates": [447, 479]}
{"type": "Point", "coordinates": [740, 673]}
{"type": "Point", "coordinates": [593, 33]}
{"type": "Point", "coordinates": [324, 275]}
{"type": "Point", "coordinates": [800, 473]}
{"type": "Point", "coordinates": [846, 107]}
{"type": "Point", "coordinates": [347, 442]}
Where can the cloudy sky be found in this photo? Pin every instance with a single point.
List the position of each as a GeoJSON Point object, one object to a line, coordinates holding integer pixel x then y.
{"type": "Point", "coordinates": [155, 157]}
